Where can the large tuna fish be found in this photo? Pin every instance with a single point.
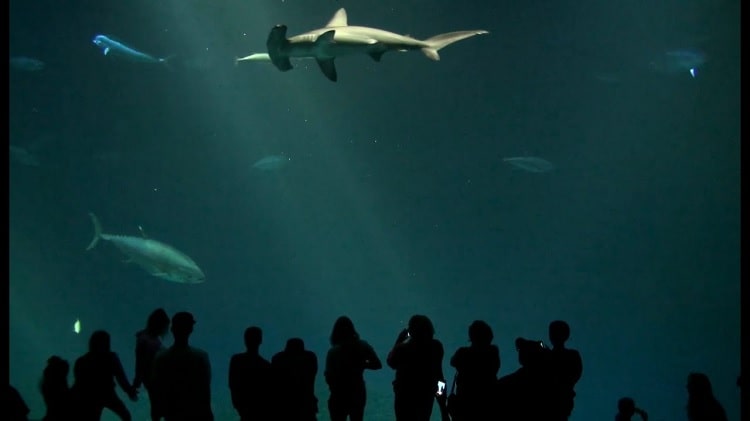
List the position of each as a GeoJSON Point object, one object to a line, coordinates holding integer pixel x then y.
{"type": "Point", "coordinates": [158, 259]}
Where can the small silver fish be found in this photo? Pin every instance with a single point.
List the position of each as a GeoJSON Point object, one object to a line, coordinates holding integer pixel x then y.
{"type": "Point", "coordinates": [116, 48]}
{"type": "Point", "coordinates": [271, 163]}
{"type": "Point", "coordinates": [23, 156]}
{"type": "Point", "coordinates": [679, 61]}
{"type": "Point", "coordinates": [530, 163]}
{"type": "Point", "coordinates": [26, 64]}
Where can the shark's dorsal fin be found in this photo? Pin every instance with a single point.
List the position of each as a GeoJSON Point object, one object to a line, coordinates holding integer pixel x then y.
{"type": "Point", "coordinates": [338, 19]}
{"type": "Point", "coordinates": [143, 233]}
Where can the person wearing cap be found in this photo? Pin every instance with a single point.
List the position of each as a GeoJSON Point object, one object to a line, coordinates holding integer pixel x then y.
{"type": "Point", "coordinates": [181, 376]}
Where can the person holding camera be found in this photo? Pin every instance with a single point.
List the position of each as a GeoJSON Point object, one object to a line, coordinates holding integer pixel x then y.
{"type": "Point", "coordinates": [417, 358]}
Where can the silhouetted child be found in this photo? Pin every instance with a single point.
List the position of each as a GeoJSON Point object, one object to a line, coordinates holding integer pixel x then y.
{"type": "Point", "coordinates": [294, 370]}
{"type": "Point", "coordinates": [182, 376]}
{"type": "Point", "coordinates": [94, 386]}
{"type": "Point", "coordinates": [476, 374]}
{"type": "Point", "coordinates": [55, 390]}
{"type": "Point", "coordinates": [626, 409]}
{"type": "Point", "coordinates": [702, 405]}
{"type": "Point", "coordinates": [147, 345]}
{"type": "Point", "coordinates": [250, 379]}
{"type": "Point", "coordinates": [15, 407]}
{"type": "Point", "coordinates": [346, 362]}
{"type": "Point", "coordinates": [565, 370]}
{"type": "Point", "coordinates": [417, 358]}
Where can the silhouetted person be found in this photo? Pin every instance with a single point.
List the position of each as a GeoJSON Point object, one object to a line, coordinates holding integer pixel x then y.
{"type": "Point", "coordinates": [346, 362]}
{"type": "Point", "coordinates": [15, 407]}
{"type": "Point", "coordinates": [626, 409]}
{"type": "Point", "coordinates": [56, 391]}
{"type": "Point", "coordinates": [417, 358]}
{"type": "Point", "coordinates": [525, 393]}
{"type": "Point", "coordinates": [702, 405]}
{"type": "Point", "coordinates": [476, 373]}
{"type": "Point", "coordinates": [250, 379]}
{"type": "Point", "coordinates": [565, 370]}
{"type": "Point", "coordinates": [147, 345]}
{"type": "Point", "coordinates": [181, 376]}
{"type": "Point", "coordinates": [294, 370]}
{"type": "Point", "coordinates": [94, 387]}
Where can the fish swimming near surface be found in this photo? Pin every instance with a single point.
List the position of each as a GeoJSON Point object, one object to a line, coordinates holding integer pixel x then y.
{"type": "Point", "coordinates": [679, 61]}
{"type": "Point", "coordinates": [253, 57]}
{"type": "Point", "coordinates": [111, 47]}
{"type": "Point", "coordinates": [27, 64]}
{"type": "Point", "coordinates": [23, 156]}
{"type": "Point", "coordinates": [260, 57]}
{"type": "Point", "coordinates": [338, 39]}
{"type": "Point", "coordinates": [530, 164]}
{"type": "Point", "coordinates": [158, 259]}
{"type": "Point", "coordinates": [271, 163]}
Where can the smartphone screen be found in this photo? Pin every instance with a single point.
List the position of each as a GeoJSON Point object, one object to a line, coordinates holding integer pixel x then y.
{"type": "Point", "coordinates": [441, 387]}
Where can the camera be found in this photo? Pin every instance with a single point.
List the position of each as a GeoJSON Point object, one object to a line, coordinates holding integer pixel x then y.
{"type": "Point", "coordinates": [529, 345]}
{"type": "Point", "coordinates": [441, 387]}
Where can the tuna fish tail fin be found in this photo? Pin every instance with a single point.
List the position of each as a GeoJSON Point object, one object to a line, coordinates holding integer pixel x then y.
{"type": "Point", "coordinates": [438, 42]}
{"type": "Point", "coordinates": [97, 231]}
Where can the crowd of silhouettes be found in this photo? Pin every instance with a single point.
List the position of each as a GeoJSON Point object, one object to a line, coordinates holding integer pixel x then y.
{"type": "Point", "coordinates": [178, 378]}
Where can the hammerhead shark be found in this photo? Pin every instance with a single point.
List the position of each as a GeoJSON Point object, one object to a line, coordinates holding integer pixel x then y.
{"type": "Point", "coordinates": [338, 39]}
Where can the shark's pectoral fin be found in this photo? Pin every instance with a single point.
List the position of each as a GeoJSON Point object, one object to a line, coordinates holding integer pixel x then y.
{"type": "Point", "coordinates": [326, 64]}
{"type": "Point", "coordinates": [377, 55]}
{"type": "Point", "coordinates": [106, 51]}
{"type": "Point", "coordinates": [328, 68]}
{"type": "Point", "coordinates": [326, 38]}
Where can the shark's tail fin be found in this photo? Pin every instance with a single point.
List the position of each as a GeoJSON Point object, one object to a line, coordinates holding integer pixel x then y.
{"type": "Point", "coordinates": [97, 231]}
{"type": "Point", "coordinates": [437, 42]}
